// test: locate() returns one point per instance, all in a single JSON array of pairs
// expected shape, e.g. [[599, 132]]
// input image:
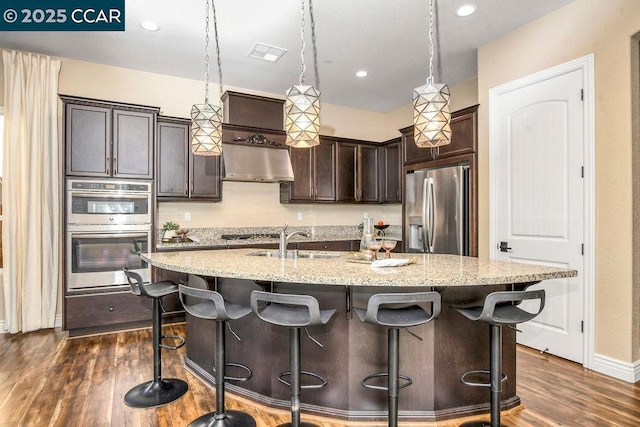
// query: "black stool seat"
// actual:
[[499, 308], [294, 312], [158, 391], [396, 311], [153, 290], [208, 304], [411, 312]]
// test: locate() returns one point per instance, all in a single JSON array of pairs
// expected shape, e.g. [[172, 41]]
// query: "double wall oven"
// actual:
[[108, 225]]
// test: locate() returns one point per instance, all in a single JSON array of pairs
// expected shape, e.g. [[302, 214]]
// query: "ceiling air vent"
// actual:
[[266, 52]]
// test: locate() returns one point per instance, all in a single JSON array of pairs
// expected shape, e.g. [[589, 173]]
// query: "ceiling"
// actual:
[[389, 39]]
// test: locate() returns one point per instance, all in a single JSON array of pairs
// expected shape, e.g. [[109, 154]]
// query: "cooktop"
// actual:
[[250, 236]]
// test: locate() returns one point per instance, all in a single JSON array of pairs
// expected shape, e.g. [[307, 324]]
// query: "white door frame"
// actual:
[[586, 64]]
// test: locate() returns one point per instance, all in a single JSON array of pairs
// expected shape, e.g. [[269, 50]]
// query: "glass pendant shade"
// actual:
[[206, 130], [431, 115], [302, 116]]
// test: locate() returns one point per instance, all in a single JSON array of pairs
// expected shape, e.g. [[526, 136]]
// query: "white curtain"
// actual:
[[31, 191]]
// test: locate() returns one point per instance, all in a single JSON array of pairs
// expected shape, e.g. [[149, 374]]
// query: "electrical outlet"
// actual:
[[365, 215], [299, 216], [187, 216]]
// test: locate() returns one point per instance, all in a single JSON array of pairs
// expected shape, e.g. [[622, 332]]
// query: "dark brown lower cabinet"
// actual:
[[104, 312], [339, 245]]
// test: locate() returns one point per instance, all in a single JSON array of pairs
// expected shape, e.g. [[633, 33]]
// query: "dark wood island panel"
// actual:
[[352, 350], [449, 346]]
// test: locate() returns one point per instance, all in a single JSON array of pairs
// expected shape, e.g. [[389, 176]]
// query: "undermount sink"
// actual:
[[297, 254]]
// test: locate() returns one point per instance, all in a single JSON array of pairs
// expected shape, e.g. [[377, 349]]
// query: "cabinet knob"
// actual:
[[111, 309]]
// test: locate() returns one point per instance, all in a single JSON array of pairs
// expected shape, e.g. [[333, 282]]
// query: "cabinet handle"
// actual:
[[108, 164], [186, 188], [115, 166]]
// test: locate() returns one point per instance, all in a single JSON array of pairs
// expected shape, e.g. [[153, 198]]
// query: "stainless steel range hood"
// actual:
[[256, 163]]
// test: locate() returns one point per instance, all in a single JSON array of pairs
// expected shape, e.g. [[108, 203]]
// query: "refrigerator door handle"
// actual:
[[459, 219], [428, 213], [432, 213], [424, 234]]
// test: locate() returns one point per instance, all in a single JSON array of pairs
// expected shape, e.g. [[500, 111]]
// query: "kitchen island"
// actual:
[[446, 347]]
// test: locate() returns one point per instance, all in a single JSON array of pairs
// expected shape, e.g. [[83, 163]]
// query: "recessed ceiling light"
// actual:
[[266, 52], [362, 73], [149, 26], [466, 10]]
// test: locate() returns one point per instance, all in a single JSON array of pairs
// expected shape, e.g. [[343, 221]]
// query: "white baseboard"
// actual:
[[629, 372], [57, 323]]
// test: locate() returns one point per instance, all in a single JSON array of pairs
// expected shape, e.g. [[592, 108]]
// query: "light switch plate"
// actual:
[[299, 216], [187, 216]]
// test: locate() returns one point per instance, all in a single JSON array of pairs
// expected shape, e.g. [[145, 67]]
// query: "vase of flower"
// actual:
[[169, 228]]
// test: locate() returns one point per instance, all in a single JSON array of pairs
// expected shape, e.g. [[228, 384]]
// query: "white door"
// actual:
[[537, 198]]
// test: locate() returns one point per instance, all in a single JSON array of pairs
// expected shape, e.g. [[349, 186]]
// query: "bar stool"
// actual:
[[397, 311], [158, 391], [500, 308], [293, 312], [207, 304]]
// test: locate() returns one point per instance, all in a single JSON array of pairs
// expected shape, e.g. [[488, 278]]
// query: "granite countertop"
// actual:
[[211, 237], [427, 270]]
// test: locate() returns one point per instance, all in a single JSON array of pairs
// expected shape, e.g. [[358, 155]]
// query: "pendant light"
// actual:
[[431, 114], [206, 119], [302, 105]]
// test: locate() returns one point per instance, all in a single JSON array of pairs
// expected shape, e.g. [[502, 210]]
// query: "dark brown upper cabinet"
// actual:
[[346, 172], [255, 111], [391, 172], [314, 174], [463, 139], [106, 139], [180, 174], [367, 176], [338, 170], [357, 172]]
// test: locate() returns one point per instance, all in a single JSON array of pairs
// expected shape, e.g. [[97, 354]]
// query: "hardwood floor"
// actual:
[[47, 379]]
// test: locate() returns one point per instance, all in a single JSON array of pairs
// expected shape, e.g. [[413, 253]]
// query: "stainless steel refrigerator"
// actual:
[[436, 214]]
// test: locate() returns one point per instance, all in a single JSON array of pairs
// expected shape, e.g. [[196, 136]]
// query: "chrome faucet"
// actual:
[[284, 239]]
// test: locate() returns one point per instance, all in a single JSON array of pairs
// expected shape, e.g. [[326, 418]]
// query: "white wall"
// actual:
[[605, 29]]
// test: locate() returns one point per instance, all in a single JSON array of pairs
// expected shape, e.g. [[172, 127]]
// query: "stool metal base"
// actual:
[[229, 419], [156, 393], [476, 424], [302, 424]]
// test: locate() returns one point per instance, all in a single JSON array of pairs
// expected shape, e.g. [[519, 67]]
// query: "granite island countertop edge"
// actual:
[[429, 270]]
